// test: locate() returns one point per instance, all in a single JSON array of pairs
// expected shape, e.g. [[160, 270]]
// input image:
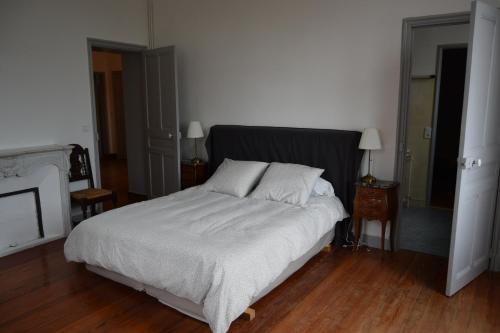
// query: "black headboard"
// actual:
[[335, 151]]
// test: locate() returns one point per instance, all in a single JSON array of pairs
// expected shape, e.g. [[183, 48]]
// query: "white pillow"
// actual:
[[236, 178], [290, 183], [323, 188]]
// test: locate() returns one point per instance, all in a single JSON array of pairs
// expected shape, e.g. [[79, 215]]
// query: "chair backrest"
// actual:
[[80, 165]]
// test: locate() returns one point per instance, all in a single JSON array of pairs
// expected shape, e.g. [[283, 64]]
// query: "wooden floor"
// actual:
[[340, 291], [114, 176]]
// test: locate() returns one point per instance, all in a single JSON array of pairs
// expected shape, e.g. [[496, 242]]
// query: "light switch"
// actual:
[[427, 132]]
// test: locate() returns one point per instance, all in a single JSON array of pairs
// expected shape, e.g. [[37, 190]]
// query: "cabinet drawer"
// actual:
[[373, 202], [187, 179], [192, 175], [187, 169], [372, 213], [369, 193]]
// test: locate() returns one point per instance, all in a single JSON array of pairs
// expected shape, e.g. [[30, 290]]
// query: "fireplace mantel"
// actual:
[[21, 162]]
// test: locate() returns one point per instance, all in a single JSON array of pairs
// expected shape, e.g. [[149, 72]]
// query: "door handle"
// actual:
[[470, 163], [477, 163], [170, 135]]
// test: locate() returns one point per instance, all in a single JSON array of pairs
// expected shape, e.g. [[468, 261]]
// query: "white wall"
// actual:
[[44, 71], [326, 64], [302, 63], [425, 43]]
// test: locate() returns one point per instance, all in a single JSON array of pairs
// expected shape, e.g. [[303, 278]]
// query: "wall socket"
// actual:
[[427, 132]]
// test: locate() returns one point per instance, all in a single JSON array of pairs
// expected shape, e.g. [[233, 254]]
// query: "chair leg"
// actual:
[[92, 210], [84, 210], [114, 198]]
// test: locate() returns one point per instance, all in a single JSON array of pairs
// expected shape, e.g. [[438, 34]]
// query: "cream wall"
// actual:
[[426, 41], [303, 63], [306, 63], [44, 70]]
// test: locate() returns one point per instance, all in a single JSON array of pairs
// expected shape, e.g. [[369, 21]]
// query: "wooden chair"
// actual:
[[81, 170]]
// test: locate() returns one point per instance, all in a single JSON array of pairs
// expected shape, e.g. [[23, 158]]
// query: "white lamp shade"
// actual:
[[194, 130], [370, 139]]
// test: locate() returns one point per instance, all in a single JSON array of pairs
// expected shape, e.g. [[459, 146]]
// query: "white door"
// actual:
[[162, 122], [477, 176]]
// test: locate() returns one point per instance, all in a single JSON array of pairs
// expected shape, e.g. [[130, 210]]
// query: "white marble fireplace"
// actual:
[[34, 196]]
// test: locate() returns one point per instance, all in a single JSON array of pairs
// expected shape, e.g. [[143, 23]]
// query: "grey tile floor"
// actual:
[[426, 230]]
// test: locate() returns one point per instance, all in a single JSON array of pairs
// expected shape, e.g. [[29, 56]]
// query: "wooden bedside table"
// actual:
[[192, 175], [379, 202]]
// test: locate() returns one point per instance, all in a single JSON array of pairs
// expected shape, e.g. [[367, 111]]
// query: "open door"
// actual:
[[479, 153], [133, 107], [162, 122]]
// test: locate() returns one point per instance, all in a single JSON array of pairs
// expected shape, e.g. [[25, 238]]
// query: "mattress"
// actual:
[[212, 249]]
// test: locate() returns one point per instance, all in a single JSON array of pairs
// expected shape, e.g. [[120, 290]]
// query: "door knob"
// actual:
[[170, 135]]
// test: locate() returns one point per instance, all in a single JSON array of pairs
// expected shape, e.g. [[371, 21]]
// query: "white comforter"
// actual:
[[213, 249]]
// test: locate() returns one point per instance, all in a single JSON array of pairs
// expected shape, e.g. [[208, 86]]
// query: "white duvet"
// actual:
[[213, 249]]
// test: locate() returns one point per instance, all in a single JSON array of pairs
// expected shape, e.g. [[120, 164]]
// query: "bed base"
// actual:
[[195, 310]]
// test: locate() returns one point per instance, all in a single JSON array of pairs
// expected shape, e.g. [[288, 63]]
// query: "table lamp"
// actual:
[[370, 140], [195, 132]]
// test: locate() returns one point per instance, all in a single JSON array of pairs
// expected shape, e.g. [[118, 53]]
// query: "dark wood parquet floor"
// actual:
[[341, 291]]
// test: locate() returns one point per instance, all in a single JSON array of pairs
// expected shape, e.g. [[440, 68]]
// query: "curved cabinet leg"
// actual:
[[382, 237]]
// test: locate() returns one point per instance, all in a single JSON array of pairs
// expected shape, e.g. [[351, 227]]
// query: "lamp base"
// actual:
[[196, 161], [369, 179]]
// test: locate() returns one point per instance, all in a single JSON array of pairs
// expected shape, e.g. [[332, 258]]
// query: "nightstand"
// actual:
[[378, 201], [192, 175]]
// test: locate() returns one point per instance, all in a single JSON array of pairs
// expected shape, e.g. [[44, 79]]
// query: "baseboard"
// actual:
[[374, 241]]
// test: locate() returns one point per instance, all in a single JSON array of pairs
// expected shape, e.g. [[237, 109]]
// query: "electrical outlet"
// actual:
[[427, 132]]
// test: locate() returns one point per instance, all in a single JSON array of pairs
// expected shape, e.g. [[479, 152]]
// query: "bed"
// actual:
[[212, 255]]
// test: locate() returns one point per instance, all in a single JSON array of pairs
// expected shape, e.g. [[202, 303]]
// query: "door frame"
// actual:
[[435, 112], [409, 25], [109, 45]]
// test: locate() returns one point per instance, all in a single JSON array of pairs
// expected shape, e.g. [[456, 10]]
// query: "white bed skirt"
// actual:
[[196, 310]]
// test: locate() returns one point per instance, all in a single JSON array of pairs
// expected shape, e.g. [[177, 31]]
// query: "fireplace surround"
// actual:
[[22, 170]]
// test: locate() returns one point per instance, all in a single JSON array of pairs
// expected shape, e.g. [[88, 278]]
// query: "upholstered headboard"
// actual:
[[336, 151]]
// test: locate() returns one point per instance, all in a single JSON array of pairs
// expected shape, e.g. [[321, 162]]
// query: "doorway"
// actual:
[[108, 92], [116, 76], [432, 137], [447, 119], [474, 230]]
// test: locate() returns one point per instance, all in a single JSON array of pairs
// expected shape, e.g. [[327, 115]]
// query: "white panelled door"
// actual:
[[479, 154], [162, 122]]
